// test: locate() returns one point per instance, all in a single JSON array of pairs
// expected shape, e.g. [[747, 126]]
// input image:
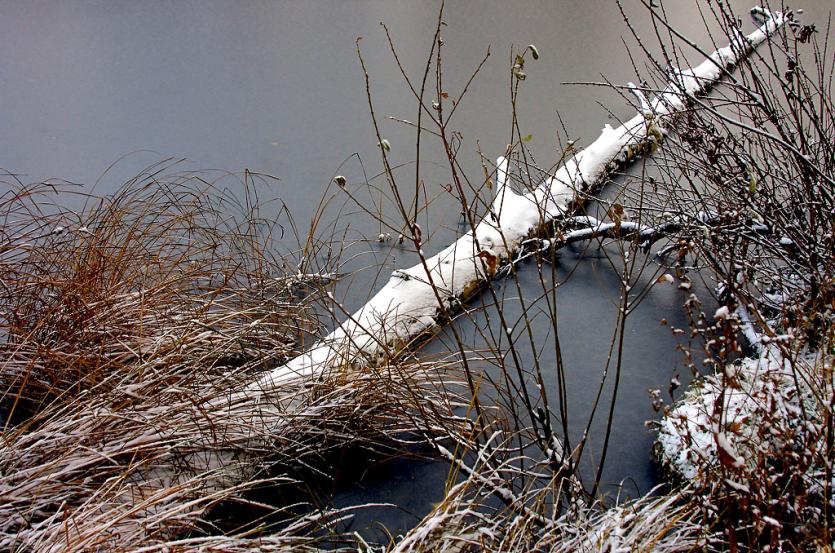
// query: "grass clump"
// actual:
[[129, 330]]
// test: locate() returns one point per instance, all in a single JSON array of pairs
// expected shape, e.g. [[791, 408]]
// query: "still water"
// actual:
[[277, 88]]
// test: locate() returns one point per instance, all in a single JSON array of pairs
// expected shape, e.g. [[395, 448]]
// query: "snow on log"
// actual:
[[407, 306]]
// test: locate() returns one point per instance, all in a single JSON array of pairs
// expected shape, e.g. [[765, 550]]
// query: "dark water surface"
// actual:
[[276, 87]]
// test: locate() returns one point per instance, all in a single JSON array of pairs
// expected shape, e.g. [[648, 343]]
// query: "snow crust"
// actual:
[[690, 438]]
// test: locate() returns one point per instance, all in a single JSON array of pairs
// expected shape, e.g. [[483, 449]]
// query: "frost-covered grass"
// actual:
[[128, 331]]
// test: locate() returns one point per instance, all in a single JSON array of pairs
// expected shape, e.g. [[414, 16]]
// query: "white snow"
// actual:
[[754, 393]]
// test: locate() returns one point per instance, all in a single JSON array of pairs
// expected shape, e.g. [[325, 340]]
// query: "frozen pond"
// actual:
[[276, 88]]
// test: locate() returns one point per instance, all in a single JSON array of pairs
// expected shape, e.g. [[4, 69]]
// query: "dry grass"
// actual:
[[154, 278], [128, 329], [501, 506]]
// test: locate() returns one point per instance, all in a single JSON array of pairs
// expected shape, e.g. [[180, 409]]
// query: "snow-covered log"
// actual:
[[407, 307]]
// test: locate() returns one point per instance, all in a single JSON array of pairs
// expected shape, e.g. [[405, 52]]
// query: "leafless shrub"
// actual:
[[754, 176]]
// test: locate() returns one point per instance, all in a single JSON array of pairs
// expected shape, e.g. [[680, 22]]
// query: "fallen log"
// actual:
[[407, 307]]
